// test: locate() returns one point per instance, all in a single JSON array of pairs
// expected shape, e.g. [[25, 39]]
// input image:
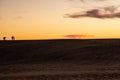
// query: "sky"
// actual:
[[59, 19]]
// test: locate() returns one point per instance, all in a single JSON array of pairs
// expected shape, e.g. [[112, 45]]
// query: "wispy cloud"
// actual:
[[96, 9], [78, 36], [1, 18], [21, 11], [19, 17]]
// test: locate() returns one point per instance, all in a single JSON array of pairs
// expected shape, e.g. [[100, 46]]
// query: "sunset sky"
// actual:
[[57, 19]]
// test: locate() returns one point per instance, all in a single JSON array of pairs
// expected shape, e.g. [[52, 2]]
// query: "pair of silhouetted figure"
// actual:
[[12, 37]]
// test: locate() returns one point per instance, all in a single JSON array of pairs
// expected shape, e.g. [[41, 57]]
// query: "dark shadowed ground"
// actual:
[[95, 59]]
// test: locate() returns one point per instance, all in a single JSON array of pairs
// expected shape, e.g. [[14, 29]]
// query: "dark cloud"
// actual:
[[96, 13], [78, 36], [96, 9]]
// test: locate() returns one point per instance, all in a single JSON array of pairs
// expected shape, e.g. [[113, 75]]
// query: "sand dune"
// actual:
[[87, 51], [67, 59]]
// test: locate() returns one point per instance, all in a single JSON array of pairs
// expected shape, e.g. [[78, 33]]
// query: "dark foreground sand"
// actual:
[[59, 72], [60, 60]]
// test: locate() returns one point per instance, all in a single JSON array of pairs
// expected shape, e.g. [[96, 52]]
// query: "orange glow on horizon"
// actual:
[[43, 19]]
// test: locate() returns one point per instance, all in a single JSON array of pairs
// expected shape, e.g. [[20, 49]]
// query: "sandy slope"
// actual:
[[82, 51], [60, 60]]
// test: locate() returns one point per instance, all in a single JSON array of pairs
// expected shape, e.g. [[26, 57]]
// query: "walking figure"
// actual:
[[4, 38], [13, 38]]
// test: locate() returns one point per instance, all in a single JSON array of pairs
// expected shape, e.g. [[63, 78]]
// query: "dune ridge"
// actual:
[[104, 51]]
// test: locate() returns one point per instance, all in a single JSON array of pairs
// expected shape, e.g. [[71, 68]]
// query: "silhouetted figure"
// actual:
[[13, 38], [4, 38]]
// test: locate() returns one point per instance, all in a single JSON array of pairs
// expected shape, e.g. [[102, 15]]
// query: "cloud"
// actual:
[[85, 1], [78, 36], [1, 18], [21, 11], [19, 17], [95, 13], [96, 9]]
